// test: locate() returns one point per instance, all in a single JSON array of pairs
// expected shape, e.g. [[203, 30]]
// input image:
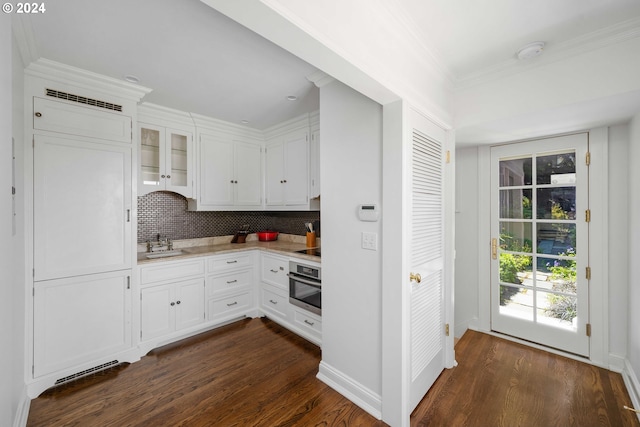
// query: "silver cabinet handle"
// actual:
[[232, 262], [273, 302], [233, 303], [273, 271], [128, 215], [309, 323], [231, 281]]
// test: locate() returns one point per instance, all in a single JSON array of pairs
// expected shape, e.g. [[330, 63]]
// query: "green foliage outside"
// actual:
[[564, 277]]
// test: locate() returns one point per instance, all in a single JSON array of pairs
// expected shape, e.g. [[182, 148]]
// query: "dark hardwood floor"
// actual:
[[256, 373], [502, 383], [249, 373]]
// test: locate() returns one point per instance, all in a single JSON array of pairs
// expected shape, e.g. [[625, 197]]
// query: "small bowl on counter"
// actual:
[[267, 236]]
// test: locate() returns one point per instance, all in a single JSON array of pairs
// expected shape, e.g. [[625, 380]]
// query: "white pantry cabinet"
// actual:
[[71, 119], [81, 207], [80, 319], [166, 160], [230, 173], [287, 170]]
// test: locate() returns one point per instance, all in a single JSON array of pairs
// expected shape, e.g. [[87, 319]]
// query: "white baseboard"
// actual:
[[351, 389], [632, 384], [22, 412], [616, 363], [461, 327]]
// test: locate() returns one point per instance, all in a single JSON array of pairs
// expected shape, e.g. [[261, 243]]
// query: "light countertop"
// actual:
[[287, 244]]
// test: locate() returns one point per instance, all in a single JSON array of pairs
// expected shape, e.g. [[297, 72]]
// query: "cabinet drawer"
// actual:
[[171, 271], [274, 270], [308, 321], [225, 262], [225, 282], [275, 301], [224, 307]]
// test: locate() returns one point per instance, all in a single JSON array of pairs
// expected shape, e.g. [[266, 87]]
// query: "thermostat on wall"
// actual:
[[368, 212]]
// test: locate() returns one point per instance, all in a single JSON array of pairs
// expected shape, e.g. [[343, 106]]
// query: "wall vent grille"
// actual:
[[83, 100], [87, 372]]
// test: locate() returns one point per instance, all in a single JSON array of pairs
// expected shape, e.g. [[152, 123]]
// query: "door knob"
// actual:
[[415, 277]]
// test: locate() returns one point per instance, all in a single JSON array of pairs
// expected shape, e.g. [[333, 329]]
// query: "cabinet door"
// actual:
[[152, 158], [81, 207], [296, 169], [62, 117], [189, 300], [216, 171], [314, 165], [275, 175], [248, 174], [157, 313], [178, 163], [79, 320]]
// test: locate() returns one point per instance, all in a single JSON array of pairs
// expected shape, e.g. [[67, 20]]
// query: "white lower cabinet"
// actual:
[[230, 286], [171, 307], [274, 299], [80, 320]]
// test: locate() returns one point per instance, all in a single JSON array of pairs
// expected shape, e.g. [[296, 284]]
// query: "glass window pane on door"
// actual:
[[556, 169], [515, 172]]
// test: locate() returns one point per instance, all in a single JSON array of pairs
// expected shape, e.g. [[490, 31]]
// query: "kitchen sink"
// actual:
[[163, 254]]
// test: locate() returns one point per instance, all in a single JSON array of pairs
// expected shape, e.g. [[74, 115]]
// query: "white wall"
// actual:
[[633, 230], [466, 267], [618, 193], [7, 361], [350, 164]]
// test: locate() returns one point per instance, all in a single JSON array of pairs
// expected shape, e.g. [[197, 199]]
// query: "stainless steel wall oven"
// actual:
[[305, 288]]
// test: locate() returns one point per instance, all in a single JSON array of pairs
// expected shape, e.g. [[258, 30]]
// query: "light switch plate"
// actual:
[[369, 241]]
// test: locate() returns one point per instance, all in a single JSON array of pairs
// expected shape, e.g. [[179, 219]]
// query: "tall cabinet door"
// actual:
[[248, 173], [81, 207], [275, 175], [297, 168], [216, 171]]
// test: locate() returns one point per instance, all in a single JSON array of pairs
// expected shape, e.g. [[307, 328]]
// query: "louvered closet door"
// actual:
[[427, 261]]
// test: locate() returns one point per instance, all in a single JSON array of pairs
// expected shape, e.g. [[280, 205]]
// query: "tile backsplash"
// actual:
[[166, 213]]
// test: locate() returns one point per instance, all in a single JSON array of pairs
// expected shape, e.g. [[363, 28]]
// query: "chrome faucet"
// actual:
[[161, 244]]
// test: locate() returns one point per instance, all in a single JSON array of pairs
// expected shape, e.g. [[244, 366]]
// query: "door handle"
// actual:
[[415, 277], [494, 248]]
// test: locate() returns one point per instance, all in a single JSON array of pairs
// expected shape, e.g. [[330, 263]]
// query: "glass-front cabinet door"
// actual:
[[165, 160]]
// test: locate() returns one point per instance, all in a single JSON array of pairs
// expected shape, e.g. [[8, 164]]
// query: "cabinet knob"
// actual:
[[172, 304], [177, 302], [38, 114], [168, 176], [162, 176], [235, 182], [231, 181], [285, 181]]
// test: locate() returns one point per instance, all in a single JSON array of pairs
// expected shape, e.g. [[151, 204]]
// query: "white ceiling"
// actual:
[[470, 36], [194, 58], [197, 60]]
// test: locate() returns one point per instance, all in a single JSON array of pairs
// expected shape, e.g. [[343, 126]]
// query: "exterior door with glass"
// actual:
[[540, 242]]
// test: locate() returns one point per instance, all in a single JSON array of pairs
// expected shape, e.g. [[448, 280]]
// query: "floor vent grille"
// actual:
[[86, 372], [83, 100]]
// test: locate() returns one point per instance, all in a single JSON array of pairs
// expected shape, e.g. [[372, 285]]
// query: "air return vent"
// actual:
[[83, 100], [86, 372]]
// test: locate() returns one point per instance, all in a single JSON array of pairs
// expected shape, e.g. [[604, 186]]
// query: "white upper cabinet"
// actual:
[[287, 170], [230, 174], [165, 160], [166, 150]]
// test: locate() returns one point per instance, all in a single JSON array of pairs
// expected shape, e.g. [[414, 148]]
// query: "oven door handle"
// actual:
[[305, 281]]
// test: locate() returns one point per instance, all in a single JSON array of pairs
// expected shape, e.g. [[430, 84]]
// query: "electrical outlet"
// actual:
[[369, 241]]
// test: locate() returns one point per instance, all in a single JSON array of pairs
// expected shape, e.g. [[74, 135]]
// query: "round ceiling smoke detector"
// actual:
[[530, 51]]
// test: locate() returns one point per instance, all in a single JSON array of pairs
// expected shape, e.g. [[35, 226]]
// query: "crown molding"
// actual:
[[209, 124], [320, 78], [56, 71], [585, 43]]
